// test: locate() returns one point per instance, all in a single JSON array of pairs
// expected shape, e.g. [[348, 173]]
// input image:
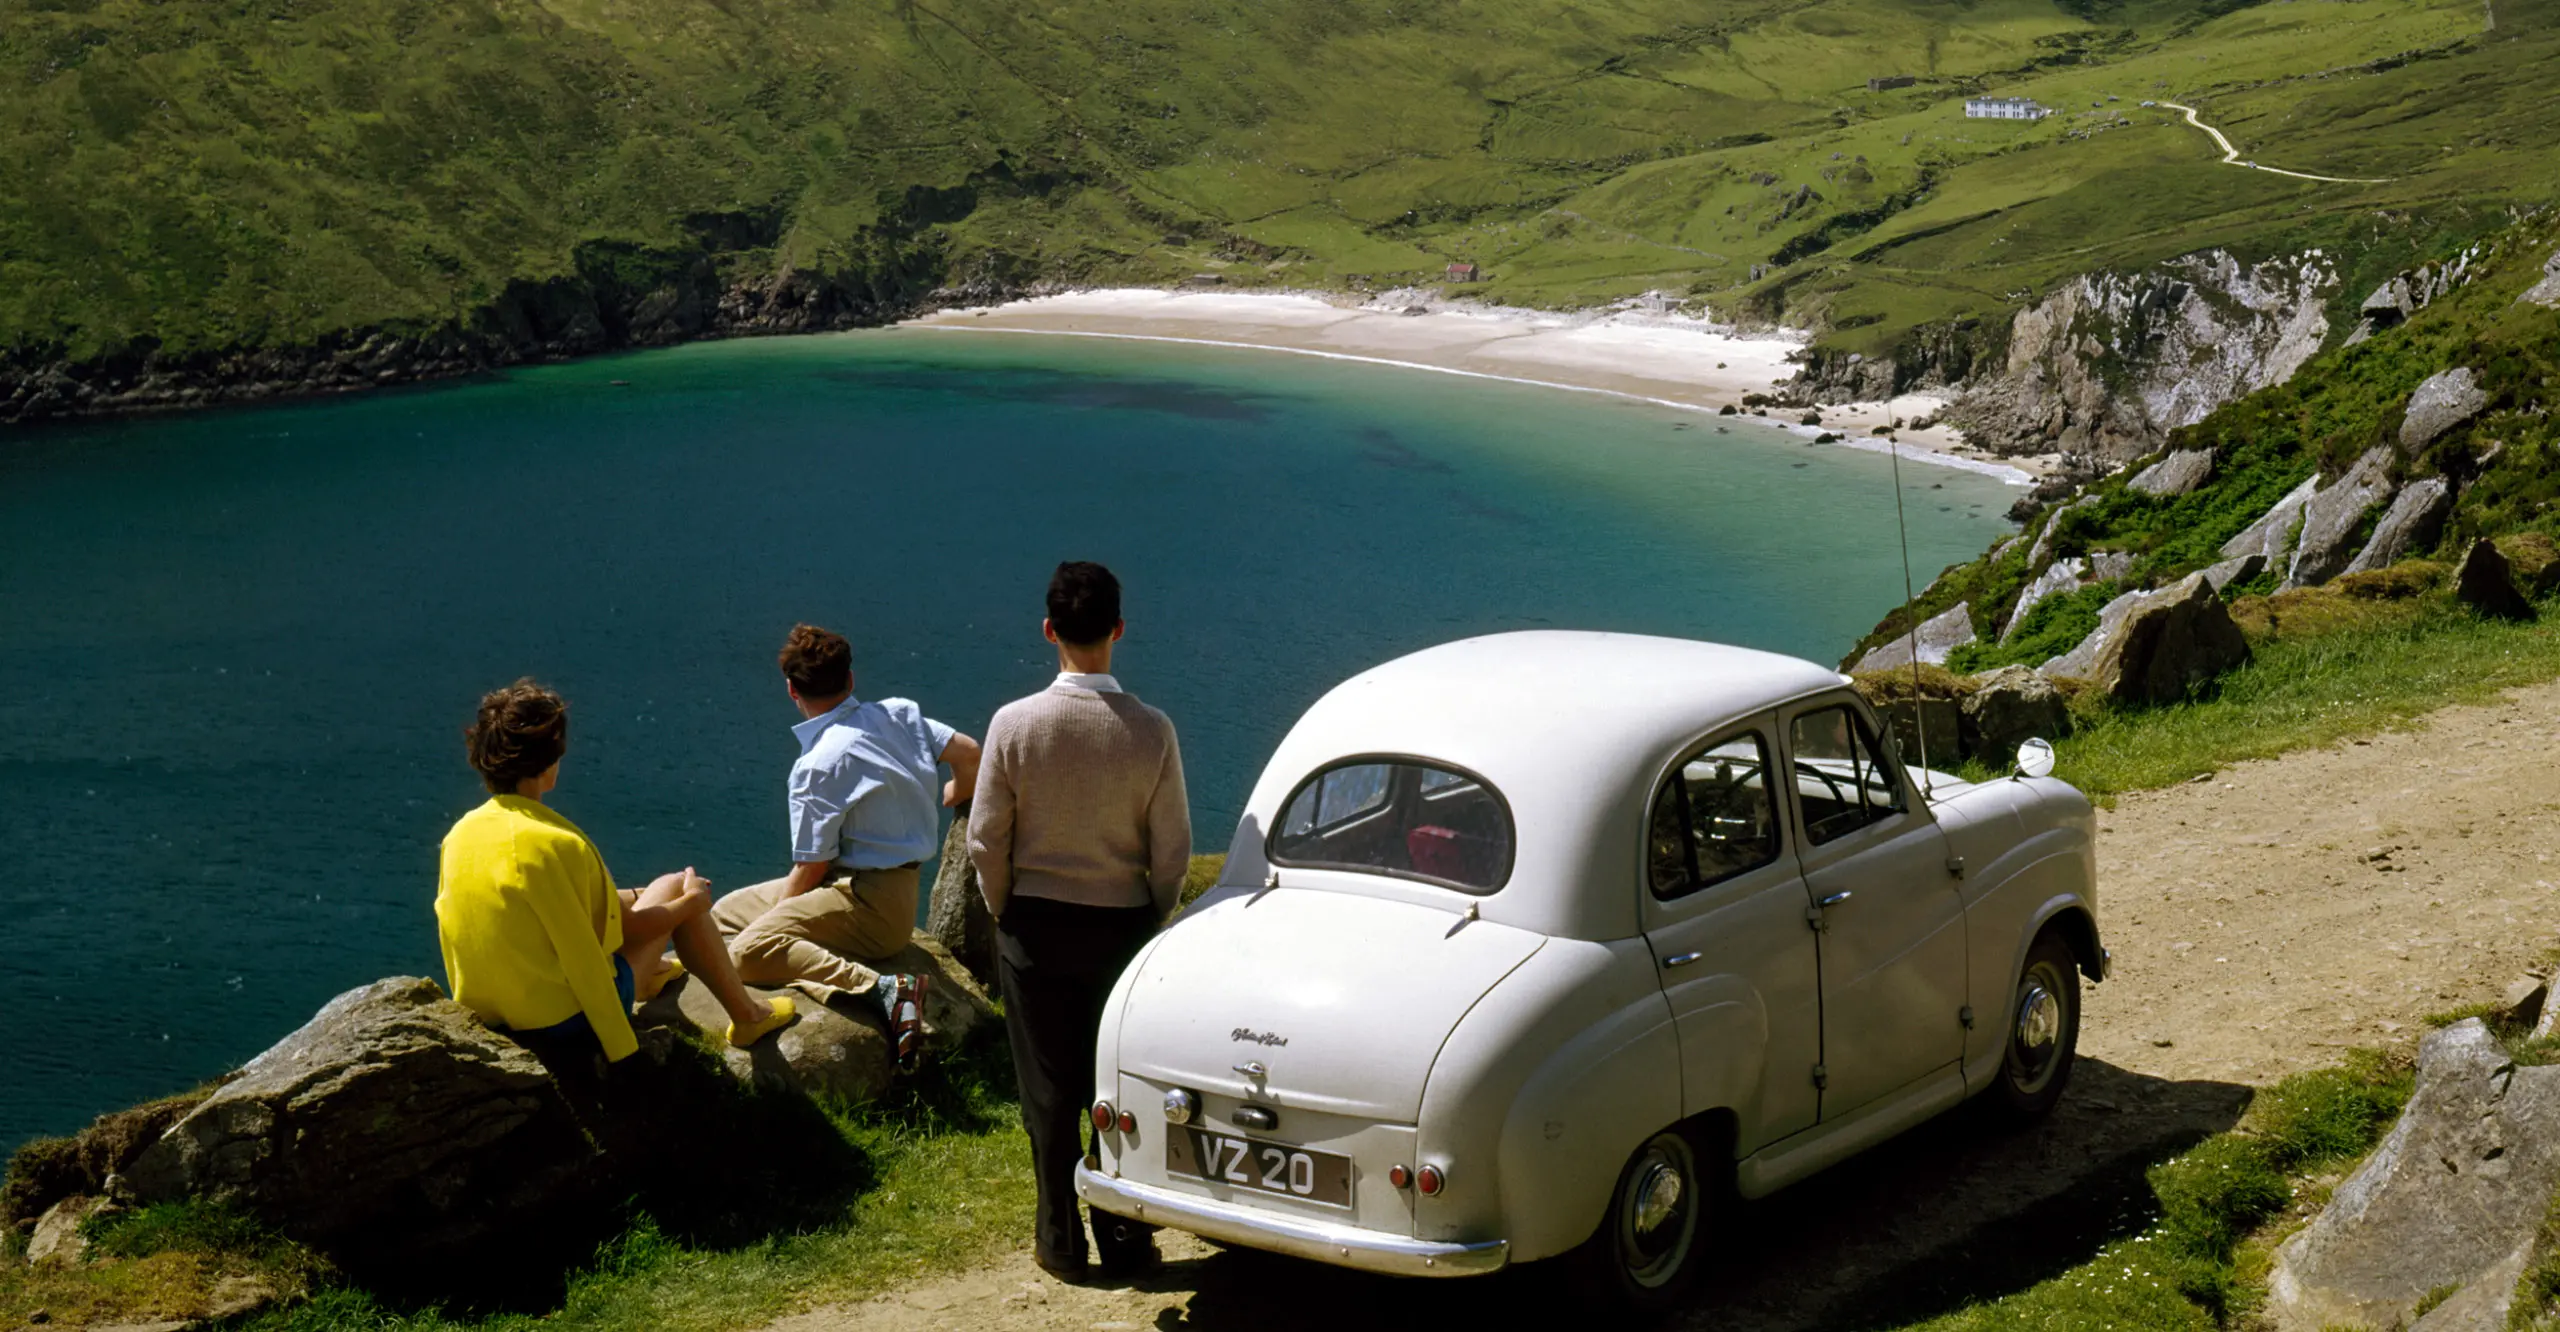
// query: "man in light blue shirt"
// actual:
[[866, 798]]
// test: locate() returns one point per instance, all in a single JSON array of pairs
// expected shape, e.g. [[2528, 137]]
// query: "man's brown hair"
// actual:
[[817, 663], [521, 731]]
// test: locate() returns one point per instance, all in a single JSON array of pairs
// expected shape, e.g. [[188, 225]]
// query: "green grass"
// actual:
[[2195, 1266], [194, 174], [2313, 692]]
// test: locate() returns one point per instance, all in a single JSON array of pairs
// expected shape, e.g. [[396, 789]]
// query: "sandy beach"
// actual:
[[1657, 357]]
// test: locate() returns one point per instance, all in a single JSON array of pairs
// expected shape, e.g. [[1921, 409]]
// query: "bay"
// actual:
[[237, 649]]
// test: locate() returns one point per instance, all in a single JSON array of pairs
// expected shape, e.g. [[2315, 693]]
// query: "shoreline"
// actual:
[[1662, 359]]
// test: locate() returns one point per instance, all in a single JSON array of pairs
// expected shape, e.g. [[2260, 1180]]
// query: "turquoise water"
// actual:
[[237, 649]]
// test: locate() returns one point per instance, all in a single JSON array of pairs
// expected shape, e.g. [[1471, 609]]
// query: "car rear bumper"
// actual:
[[1299, 1237]]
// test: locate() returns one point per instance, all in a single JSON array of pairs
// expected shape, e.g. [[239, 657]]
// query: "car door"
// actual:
[[1724, 911], [1889, 918]]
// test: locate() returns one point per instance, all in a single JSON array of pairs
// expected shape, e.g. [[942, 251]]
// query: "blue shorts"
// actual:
[[626, 987]]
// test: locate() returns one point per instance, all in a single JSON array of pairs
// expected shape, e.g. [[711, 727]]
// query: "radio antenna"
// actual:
[[1919, 709]]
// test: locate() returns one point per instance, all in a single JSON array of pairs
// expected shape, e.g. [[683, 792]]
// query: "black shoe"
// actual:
[[1125, 1249], [1074, 1273]]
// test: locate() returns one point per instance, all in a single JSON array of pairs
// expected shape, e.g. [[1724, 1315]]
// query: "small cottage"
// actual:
[[1462, 272]]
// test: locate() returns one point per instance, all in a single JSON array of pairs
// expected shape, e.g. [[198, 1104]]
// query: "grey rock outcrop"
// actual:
[[2412, 523], [2042, 550], [2237, 570], [1938, 636], [2109, 566], [2111, 362], [2452, 1197], [2446, 400], [392, 1116], [2334, 514], [2272, 536], [2486, 583], [2178, 474], [57, 1237], [2009, 706], [2060, 576], [836, 1049], [2156, 647], [1943, 742], [956, 914], [2545, 293]]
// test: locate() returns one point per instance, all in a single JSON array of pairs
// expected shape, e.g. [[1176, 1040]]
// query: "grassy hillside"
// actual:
[[248, 173]]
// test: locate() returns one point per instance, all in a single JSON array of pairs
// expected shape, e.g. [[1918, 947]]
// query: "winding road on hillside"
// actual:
[[2231, 155], [2264, 921]]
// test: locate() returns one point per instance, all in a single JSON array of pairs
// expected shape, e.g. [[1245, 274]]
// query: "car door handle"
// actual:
[[1680, 960], [1835, 899]]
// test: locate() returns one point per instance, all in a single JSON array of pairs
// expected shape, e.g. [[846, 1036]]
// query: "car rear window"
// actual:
[[1405, 817]]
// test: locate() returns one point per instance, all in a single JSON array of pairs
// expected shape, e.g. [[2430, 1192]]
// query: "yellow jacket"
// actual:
[[530, 922]]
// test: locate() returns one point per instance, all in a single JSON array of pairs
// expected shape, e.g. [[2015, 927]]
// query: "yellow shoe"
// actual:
[[673, 972], [783, 1015]]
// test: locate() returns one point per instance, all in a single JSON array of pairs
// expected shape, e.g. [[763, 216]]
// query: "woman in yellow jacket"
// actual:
[[536, 938]]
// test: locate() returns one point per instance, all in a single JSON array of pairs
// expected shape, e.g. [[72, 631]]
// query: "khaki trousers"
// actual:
[[824, 935]]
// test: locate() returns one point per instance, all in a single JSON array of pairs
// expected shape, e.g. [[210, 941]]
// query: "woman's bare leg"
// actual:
[[669, 909]]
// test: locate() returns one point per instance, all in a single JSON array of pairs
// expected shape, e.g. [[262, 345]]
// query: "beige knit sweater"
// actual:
[[1080, 799]]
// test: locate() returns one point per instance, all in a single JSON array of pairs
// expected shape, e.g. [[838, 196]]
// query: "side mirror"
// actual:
[[2035, 758]]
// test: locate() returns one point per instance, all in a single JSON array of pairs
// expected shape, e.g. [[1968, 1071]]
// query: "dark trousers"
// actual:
[[1056, 963]]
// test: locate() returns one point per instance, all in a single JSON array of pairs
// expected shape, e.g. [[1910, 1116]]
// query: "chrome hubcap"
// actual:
[[2039, 1022], [1656, 1198]]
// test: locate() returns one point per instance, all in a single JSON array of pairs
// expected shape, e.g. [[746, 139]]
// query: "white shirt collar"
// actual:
[[1095, 682], [808, 731]]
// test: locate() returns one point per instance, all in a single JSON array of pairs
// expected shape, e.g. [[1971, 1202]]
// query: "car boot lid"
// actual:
[[1321, 1000]]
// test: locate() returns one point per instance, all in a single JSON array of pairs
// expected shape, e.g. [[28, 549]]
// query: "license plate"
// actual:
[[1265, 1167]]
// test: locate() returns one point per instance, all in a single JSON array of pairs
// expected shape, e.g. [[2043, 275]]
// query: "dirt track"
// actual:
[[2262, 921]]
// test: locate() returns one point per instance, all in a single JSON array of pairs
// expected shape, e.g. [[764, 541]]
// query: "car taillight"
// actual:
[[1128, 1122], [1431, 1181], [1399, 1177], [1103, 1116]]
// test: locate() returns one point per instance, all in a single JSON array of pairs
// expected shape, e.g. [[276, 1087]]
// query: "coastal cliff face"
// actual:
[[2110, 363], [618, 297]]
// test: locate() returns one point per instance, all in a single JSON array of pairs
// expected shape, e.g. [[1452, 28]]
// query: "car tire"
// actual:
[[2040, 1031], [1646, 1254]]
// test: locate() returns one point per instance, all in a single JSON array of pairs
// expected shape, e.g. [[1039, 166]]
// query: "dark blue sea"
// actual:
[[237, 649]]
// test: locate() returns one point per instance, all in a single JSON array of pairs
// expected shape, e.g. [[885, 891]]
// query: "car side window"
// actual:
[[1841, 778], [1714, 817]]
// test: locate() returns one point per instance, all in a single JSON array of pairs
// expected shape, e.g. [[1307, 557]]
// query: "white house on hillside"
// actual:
[[2004, 108]]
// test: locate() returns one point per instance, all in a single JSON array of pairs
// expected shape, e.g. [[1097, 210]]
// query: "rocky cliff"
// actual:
[[2106, 366]]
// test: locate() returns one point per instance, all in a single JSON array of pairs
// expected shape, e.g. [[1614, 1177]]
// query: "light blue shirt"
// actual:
[[866, 791]]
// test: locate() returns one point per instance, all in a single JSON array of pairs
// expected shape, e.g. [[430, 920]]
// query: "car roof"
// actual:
[[1540, 698], [1571, 728]]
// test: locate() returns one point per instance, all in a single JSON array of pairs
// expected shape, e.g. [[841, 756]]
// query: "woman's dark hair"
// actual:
[[817, 663], [1084, 603], [521, 731]]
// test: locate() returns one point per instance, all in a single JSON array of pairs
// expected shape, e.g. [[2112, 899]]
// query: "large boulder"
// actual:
[[2239, 569], [2486, 584], [2156, 647], [2008, 707], [2451, 1198], [956, 914], [2180, 473], [2334, 515], [2546, 292], [2271, 537], [1938, 636], [2412, 523], [2444, 401], [392, 1122], [837, 1049], [2063, 576]]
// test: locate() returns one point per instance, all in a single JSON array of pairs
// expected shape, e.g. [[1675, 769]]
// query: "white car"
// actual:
[[1519, 952]]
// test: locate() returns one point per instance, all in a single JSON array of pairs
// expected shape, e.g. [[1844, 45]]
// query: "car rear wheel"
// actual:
[[1647, 1252], [2041, 1030]]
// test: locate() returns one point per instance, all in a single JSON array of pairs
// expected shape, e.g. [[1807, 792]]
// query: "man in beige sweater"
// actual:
[[1080, 836]]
